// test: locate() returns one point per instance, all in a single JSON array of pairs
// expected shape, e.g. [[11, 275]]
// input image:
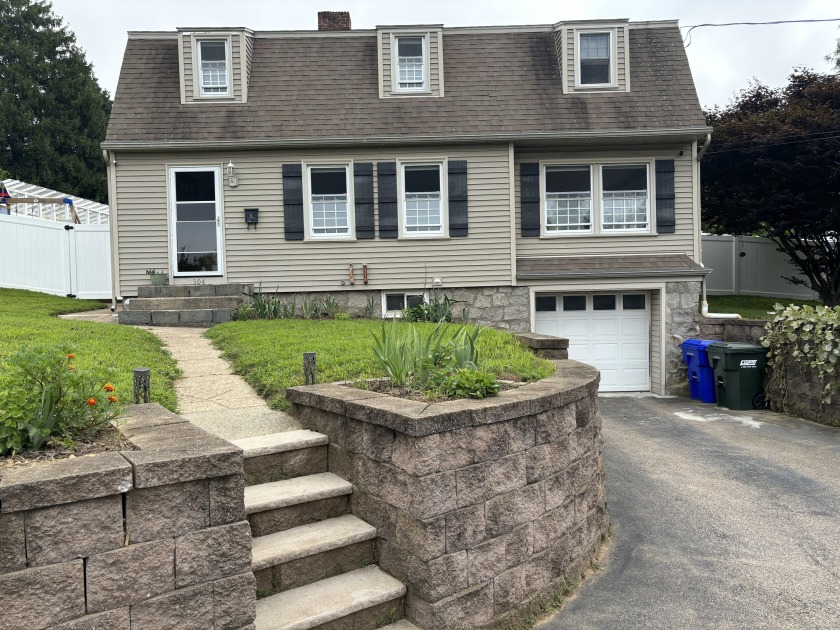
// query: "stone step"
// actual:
[[402, 624], [368, 597], [283, 455], [196, 290], [308, 553], [189, 317], [281, 505], [181, 303]]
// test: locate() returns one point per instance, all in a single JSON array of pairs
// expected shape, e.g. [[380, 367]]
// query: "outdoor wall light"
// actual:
[[230, 169], [252, 217]]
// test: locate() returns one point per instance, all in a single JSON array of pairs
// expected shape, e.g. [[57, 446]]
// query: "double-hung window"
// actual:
[[213, 68], [595, 64], [411, 63], [625, 193], [422, 199], [329, 208], [568, 199]]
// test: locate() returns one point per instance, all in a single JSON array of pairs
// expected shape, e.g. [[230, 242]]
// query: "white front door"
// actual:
[[610, 331], [195, 208]]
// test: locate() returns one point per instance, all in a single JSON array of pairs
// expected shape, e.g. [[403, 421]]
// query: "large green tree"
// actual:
[[53, 114], [773, 169]]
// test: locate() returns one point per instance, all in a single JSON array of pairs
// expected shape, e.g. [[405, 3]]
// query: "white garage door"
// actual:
[[610, 331]]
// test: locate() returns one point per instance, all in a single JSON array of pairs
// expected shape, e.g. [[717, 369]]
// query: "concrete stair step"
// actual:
[[195, 290], [281, 505], [181, 303], [187, 317], [368, 596], [285, 455], [308, 553], [402, 624]]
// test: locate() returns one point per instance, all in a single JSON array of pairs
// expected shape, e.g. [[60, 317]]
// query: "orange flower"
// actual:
[[108, 387], [113, 399], [91, 402], [71, 367], [71, 356]]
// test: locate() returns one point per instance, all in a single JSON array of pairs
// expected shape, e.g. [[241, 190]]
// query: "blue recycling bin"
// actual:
[[701, 375]]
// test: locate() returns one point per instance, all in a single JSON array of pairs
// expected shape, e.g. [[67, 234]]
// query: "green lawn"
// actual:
[[269, 354], [28, 318], [748, 306]]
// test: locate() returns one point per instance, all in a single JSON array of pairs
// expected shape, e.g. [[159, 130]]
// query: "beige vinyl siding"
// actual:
[[189, 69], [249, 54], [236, 62], [682, 241], [263, 255], [435, 64], [620, 58], [656, 366]]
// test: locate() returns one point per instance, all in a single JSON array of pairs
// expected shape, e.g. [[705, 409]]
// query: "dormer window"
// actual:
[[411, 62], [213, 68], [595, 58]]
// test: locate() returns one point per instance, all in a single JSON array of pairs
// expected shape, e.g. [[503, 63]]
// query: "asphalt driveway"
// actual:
[[722, 519]]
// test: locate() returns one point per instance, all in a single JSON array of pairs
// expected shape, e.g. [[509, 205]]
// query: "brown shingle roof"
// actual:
[[607, 266], [327, 87]]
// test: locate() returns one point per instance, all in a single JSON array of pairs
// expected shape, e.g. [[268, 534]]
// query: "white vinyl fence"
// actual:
[[54, 257], [749, 265]]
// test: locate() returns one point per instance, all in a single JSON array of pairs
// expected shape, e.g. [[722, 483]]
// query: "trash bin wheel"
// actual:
[[759, 401]]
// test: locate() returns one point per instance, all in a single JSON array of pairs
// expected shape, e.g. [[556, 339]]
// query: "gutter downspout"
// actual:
[[704, 305]]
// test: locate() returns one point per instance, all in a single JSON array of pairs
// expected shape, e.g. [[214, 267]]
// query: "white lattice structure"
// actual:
[[50, 204]]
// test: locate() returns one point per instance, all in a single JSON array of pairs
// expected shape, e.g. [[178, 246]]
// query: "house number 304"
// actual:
[[198, 280]]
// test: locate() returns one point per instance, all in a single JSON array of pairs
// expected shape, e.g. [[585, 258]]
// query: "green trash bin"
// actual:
[[738, 374]]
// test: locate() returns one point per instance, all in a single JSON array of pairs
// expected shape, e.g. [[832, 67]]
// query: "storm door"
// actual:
[[195, 209]]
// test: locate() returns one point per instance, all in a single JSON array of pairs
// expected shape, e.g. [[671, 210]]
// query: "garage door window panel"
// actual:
[[546, 303], [625, 197], [603, 302], [633, 302], [574, 302]]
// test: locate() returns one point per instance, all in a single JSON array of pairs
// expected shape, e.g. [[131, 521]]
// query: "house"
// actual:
[[547, 176]]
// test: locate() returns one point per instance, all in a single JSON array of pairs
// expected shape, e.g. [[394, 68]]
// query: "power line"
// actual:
[[803, 136], [687, 38], [774, 144]]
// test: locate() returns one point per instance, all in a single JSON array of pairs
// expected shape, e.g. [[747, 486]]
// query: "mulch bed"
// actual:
[[384, 386]]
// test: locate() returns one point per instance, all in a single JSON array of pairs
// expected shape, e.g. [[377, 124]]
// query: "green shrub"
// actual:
[[468, 383], [406, 356], [371, 310], [44, 396], [329, 307], [437, 309]]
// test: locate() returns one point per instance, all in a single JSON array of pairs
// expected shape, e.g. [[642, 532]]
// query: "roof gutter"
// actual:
[[681, 133], [705, 146]]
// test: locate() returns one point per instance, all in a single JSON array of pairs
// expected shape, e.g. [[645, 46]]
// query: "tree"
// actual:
[[53, 114], [774, 170]]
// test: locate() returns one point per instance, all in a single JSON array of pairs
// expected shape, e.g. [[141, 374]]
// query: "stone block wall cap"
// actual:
[[148, 415], [542, 342], [571, 381], [64, 481]]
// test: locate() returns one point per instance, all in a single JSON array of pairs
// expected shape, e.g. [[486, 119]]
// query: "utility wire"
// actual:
[[687, 38], [774, 144], [803, 136]]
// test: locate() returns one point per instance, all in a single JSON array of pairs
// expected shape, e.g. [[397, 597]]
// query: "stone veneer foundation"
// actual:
[[146, 539], [482, 507]]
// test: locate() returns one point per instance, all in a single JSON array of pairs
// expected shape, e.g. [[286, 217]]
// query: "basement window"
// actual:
[[393, 302]]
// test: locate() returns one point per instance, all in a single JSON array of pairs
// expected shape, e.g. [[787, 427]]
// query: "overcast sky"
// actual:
[[722, 59]]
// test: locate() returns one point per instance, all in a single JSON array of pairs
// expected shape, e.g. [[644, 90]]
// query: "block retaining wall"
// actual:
[[146, 539], [482, 507]]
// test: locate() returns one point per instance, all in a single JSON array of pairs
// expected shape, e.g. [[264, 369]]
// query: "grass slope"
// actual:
[[269, 354], [749, 306], [28, 318]]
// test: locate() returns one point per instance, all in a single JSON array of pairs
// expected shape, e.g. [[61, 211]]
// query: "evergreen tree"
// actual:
[[53, 114]]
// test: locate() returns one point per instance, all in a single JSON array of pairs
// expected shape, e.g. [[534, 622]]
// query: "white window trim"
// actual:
[[543, 199], [198, 87], [395, 85], [386, 314], [441, 163], [173, 231], [307, 201], [597, 197], [613, 84]]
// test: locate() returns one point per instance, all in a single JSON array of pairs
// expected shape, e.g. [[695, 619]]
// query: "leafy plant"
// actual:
[[44, 396], [406, 356], [810, 337], [330, 306], [311, 307], [265, 306], [437, 309], [370, 310], [342, 317], [470, 383], [245, 312], [464, 350]]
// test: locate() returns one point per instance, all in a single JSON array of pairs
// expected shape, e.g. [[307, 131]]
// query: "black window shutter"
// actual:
[[387, 175], [363, 192], [665, 195], [292, 202], [458, 215], [529, 192]]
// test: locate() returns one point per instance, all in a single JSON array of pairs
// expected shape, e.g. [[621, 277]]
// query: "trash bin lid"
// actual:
[[735, 346], [700, 344]]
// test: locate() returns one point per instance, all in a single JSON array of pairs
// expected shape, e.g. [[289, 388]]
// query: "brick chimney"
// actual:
[[333, 20]]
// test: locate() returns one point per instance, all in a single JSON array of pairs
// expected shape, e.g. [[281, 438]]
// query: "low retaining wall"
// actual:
[[802, 397], [735, 330], [482, 507], [146, 539]]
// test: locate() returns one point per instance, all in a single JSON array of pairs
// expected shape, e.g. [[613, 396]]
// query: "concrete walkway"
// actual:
[[211, 395]]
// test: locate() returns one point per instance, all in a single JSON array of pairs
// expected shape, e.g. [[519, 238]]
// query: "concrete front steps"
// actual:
[[314, 562], [184, 305]]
